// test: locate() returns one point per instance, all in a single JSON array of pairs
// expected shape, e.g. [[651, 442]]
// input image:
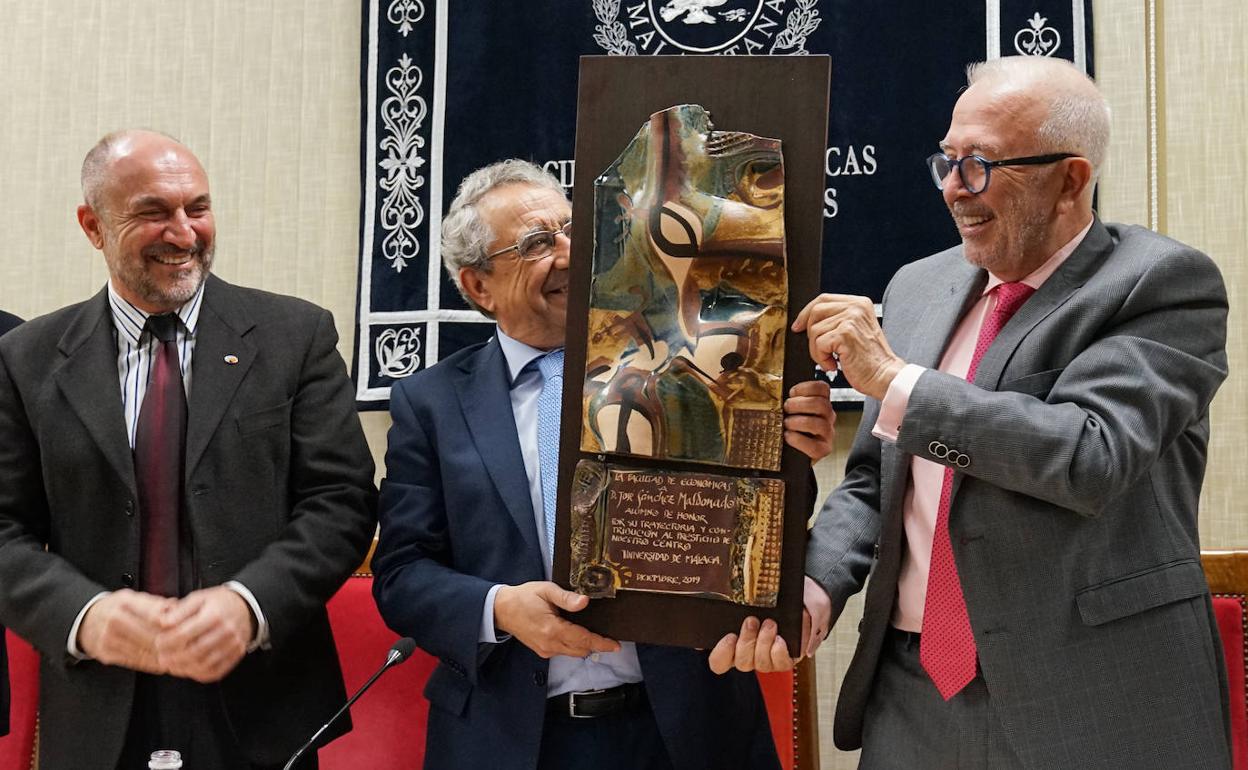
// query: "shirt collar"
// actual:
[[1036, 278], [517, 354], [129, 320]]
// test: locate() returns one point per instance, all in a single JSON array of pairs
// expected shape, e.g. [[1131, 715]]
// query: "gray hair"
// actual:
[[1078, 118], [95, 165], [465, 235]]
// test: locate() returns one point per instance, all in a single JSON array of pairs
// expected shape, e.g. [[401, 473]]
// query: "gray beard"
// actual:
[[139, 281]]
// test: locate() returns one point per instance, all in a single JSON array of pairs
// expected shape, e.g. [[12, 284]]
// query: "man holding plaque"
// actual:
[[464, 558], [1024, 489]]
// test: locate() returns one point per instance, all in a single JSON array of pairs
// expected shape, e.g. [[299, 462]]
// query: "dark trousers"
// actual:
[[627, 740], [179, 714], [908, 725]]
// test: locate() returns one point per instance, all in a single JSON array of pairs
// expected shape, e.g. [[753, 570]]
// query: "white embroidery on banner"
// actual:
[[800, 23], [728, 27], [1036, 39], [397, 352], [609, 32], [405, 14], [402, 115]]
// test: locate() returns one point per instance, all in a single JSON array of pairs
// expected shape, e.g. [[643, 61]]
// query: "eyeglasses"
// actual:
[[976, 170], [536, 244]]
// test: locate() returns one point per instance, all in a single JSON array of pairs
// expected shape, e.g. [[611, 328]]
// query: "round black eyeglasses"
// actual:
[[975, 170]]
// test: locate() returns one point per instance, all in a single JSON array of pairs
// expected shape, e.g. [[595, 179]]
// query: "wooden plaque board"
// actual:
[[782, 97]]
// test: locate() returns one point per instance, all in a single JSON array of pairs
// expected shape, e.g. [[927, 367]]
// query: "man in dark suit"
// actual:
[[463, 563], [1036, 596], [7, 322], [176, 594]]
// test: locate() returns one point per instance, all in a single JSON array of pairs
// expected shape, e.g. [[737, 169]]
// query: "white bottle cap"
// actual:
[[165, 760]]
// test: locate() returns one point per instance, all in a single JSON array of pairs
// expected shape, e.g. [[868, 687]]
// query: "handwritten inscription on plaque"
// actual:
[[689, 533]]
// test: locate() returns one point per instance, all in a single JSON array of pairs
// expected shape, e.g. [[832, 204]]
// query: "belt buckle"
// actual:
[[572, 698]]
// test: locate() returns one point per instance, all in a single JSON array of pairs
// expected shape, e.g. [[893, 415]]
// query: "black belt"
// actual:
[[908, 639], [598, 703]]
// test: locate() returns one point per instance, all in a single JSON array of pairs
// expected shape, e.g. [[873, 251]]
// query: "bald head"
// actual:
[[133, 143], [147, 208], [1061, 103]]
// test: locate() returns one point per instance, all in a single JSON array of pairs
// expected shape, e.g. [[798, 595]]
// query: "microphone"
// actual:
[[401, 651]]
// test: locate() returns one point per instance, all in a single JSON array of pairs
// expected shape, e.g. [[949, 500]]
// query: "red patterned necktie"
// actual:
[[159, 449], [947, 645]]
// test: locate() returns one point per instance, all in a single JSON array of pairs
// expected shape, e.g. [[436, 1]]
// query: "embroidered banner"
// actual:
[[449, 87]]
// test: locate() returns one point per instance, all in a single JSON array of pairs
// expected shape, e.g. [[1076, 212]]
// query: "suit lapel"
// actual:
[[939, 310], [91, 384], [485, 400], [223, 325], [1054, 293]]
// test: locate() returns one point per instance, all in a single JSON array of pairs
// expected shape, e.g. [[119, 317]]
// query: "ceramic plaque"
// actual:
[[688, 297]]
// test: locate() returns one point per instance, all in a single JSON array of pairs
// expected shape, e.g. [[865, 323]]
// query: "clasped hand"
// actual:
[[201, 636]]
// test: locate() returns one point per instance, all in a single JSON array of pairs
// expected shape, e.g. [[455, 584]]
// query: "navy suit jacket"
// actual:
[[456, 518], [7, 321]]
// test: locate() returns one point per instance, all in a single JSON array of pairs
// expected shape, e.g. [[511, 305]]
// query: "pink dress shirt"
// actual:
[[923, 488]]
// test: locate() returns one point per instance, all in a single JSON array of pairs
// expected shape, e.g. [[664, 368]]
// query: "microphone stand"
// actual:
[[398, 653]]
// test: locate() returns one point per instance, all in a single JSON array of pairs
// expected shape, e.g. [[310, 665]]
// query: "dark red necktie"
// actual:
[[159, 449], [947, 645]]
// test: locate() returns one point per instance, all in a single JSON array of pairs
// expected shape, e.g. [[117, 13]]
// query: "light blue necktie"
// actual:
[[549, 404]]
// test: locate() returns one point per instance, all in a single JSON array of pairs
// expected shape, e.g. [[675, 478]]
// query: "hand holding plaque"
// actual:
[[759, 647], [530, 612]]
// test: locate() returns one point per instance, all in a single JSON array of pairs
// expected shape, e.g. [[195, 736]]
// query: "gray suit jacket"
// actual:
[[1074, 526], [280, 496]]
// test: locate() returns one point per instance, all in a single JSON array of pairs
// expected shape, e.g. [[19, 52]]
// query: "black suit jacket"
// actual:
[[7, 322], [279, 496], [456, 518]]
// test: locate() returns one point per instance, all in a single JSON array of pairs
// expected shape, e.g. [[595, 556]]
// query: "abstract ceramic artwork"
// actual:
[[688, 297]]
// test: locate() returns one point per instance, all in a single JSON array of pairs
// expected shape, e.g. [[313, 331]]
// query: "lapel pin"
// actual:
[[231, 359]]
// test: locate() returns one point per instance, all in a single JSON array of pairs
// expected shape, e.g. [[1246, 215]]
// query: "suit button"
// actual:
[[129, 507], [127, 580], [539, 678]]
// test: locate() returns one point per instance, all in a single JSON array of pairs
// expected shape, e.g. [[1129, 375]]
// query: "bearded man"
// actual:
[[186, 484]]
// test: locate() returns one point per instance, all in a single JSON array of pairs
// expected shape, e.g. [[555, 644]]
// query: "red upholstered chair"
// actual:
[[791, 707], [389, 719], [1227, 573], [17, 749]]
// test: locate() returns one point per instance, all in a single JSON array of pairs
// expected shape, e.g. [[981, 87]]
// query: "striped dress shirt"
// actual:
[[136, 351]]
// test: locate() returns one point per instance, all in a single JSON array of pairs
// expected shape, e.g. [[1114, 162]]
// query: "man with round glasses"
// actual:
[[1024, 491], [463, 564]]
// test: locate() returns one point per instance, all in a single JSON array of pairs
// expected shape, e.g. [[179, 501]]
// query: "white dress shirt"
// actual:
[[567, 674]]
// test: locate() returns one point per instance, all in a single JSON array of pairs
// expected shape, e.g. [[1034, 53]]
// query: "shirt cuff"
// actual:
[[488, 635], [896, 399], [262, 625], [71, 646]]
